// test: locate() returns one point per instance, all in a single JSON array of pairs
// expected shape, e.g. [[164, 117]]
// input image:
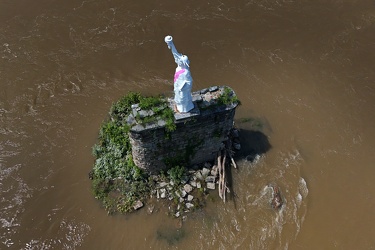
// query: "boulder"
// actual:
[[188, 188], [137, 205], [189, 205], [162, 184], [193, 183], [210, 178], [198, 175], [211, 185], [163, 193], [183, 193], [205, 171]]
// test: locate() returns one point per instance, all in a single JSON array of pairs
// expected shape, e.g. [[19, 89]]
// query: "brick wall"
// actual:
[[199, 134]]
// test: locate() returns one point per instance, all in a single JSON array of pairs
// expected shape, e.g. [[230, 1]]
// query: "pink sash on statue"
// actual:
[[177, 74]]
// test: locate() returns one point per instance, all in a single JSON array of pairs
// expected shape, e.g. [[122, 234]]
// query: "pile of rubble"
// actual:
[[189, 193]]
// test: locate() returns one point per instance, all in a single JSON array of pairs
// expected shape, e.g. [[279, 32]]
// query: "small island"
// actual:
[[147, 149]]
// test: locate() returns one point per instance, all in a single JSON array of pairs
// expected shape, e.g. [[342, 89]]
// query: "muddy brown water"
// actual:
[[304, 71]]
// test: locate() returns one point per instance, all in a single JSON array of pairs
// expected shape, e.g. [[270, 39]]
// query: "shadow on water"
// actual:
[[253, 144], [171, 235]]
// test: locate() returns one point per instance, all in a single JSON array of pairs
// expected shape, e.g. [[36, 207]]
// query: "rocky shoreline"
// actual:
[[190, 193]]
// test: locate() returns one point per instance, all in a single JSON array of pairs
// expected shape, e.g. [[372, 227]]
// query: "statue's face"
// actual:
[[183, 62]]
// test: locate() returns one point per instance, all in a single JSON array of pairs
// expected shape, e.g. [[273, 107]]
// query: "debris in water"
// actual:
[[276, 201]]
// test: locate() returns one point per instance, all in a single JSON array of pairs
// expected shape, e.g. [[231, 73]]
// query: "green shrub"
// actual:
[[122, 108], [147, 103], [228, 97], [175, 174], [117, 181]]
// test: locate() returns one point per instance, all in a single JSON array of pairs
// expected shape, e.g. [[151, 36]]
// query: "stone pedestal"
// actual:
[[199, 134]]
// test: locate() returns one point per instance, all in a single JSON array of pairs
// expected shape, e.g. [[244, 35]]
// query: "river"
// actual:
[[303, 70]]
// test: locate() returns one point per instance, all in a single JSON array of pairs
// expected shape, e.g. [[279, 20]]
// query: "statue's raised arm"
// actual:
[[169, 41], [183, 81]]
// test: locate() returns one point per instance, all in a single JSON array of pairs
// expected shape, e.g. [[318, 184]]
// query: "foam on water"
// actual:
[[69, 236], [254, 223]]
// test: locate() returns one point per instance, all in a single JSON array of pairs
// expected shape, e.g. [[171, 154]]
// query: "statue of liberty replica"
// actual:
[[183, 82]]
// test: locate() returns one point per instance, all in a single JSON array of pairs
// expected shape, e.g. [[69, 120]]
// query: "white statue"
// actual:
[[183, 82]]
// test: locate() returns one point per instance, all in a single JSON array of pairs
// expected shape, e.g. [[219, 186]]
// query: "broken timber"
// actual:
[[221, 163]]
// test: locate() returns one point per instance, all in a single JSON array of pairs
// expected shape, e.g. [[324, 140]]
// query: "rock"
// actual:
[[211, 185], [135, 113], [210, 178], [161, 123], [177, 214], [198, 175], [131, 120], [138, 204], [135, 106], [197, 98], [199, 185], [234, 133], [91, 175], [205, 171], [163, 193], [183, 193], [162, 184], [142, 113], [184, 179], [204, 91], [213, 88], [189, 205], [188, 188], [193, 183], [150, 209], [190, 197]]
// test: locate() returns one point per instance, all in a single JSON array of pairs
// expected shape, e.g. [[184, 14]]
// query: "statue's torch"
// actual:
[[178, 58]]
